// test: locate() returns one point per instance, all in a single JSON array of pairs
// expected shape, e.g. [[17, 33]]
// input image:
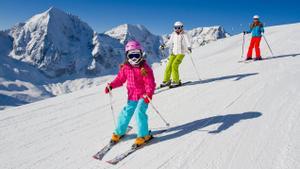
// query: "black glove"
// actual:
[[244, 32], [162, 47], [190, 49], [108, 88]]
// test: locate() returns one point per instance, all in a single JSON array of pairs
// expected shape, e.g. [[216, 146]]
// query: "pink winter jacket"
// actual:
[[137, 84]]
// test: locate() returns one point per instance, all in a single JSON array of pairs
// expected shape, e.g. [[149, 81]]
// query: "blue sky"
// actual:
[[158, 15]]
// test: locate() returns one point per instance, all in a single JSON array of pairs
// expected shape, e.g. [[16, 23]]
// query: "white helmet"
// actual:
[[178, 23], [255, 17]]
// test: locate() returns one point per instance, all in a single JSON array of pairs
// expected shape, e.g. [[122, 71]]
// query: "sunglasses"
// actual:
[[134, 55], [177, 27]]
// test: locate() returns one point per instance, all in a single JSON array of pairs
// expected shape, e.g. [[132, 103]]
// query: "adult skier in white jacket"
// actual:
[[180, 44]]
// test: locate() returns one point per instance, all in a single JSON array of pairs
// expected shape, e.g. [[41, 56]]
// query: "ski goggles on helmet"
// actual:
[[178, 27], [134, 54], [134, 57]]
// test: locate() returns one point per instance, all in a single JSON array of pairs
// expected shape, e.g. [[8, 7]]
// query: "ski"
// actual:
[[161, 87], [182, 84], [168, 87], [100, 154], [122, 156], [249, 61], [173, 87], [245, 61]]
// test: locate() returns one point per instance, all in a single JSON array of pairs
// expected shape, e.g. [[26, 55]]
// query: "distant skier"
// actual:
[[140, 87], [180, 44], [256, 28]]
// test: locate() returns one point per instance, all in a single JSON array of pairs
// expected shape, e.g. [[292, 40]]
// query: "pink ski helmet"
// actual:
[[133, 45]]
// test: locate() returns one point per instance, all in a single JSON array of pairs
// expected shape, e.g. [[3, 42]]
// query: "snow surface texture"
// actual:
[[242, 115], [55, 53]]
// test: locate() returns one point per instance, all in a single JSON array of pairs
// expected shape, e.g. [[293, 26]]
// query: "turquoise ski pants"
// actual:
[[139, 108]]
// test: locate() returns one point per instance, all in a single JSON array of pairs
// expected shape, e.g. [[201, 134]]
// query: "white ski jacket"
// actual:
[[179, 43]]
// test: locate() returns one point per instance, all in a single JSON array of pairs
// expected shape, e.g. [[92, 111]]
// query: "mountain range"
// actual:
[[55, 52]]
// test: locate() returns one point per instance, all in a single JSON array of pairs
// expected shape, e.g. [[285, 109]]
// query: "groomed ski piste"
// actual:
[[240, 116]]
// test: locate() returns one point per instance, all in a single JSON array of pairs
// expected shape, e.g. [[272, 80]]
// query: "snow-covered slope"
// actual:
[[240, 116], [138, 32]]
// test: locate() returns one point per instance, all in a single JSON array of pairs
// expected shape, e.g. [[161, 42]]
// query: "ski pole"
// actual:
[[155, 109], [163, 53], [111, 106], [243, 45], [268, 45], [195, 68]]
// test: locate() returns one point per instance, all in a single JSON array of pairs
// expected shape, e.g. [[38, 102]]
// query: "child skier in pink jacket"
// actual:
[[140, 86]]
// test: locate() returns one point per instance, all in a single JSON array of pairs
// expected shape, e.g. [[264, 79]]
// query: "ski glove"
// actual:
[[147, 98], [162, 47], [190, 49], [108, 88]]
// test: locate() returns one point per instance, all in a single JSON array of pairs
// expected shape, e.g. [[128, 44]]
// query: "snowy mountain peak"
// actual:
[[127, 32], [54, 11], [54, 41], [44, 17], [138, 32], [216, 32], [137, 27], [203, 35]]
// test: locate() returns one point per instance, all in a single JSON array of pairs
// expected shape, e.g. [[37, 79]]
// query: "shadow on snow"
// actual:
[[282, 56], [225, 122], [236, 77]]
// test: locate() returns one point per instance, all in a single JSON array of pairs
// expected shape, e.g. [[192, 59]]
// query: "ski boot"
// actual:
[[165, 84], [175, 84], [139, 141], [258, 58], [248, 59], [115, 138]]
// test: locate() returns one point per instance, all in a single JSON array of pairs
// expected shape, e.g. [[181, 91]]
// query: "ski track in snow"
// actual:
[[240, 116]]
